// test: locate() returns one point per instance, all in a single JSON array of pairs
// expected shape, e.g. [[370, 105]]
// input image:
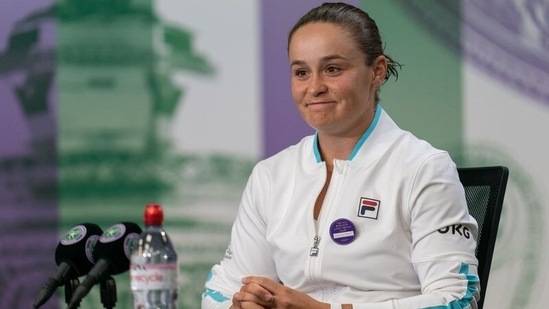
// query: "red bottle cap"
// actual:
[[154, 215]]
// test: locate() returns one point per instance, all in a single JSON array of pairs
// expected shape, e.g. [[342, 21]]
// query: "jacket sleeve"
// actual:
[[443, 240], [455, 287], [248, 251]]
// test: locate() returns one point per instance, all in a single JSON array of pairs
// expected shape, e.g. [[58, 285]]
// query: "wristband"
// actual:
[[336, 306]]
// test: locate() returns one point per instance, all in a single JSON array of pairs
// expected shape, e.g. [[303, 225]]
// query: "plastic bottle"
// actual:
[[154, 267]]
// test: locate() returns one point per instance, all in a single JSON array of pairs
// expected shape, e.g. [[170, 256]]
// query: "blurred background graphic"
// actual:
[[107, 105]]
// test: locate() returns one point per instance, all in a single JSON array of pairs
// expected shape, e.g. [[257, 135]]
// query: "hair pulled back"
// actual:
[[358, 24]]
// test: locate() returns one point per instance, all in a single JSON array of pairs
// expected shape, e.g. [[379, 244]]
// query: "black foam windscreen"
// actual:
[[111, 255], [76, 247], [115, 246], [74, 258]]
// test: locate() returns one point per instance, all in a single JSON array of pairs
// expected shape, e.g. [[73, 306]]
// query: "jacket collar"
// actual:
[[361, 141]]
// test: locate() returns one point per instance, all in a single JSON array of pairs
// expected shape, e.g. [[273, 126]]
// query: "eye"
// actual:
[[332, 69], [300, 73]]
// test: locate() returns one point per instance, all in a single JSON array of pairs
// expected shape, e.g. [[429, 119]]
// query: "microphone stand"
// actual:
[[108, 292], [70, 286]]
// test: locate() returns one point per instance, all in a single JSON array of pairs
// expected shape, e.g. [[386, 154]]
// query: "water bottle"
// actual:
[[154, 267]]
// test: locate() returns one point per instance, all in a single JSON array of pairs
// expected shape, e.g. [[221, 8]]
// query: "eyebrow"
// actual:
[[323, 59]]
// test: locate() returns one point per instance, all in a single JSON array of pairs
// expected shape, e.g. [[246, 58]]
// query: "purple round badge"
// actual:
[[342, 231]]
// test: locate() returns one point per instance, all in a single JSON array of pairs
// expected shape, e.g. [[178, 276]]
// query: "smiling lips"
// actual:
[[321, 103]]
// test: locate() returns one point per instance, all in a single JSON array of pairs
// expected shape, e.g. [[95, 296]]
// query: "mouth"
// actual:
[[318, 103]]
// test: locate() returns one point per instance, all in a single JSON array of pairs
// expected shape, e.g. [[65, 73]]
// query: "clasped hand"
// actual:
[[260, 292]]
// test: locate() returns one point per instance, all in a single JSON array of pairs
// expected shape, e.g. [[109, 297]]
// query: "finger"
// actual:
[[265, 300], [263, 288], [251, 305], [243, 297], [270, 302], [261, 295], [266, 283], [254, 288], [235, 305]]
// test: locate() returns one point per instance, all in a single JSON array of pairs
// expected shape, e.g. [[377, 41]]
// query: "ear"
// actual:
[[379, 71]]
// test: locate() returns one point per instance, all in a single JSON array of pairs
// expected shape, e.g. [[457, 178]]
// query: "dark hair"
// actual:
[[359, 24]]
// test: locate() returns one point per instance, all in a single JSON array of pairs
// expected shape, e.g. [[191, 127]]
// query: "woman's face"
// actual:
[[332, 86]]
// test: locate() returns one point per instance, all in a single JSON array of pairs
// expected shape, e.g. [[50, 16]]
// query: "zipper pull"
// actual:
[[314, 249]]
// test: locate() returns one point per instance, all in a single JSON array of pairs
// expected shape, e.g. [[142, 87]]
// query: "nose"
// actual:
[[317, 85]]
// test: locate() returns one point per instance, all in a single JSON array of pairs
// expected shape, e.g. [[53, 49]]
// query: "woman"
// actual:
[[360, 215]]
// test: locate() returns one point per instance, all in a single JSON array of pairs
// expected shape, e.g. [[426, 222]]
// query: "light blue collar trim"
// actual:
[[315, 148], [361, 141], [366, 134]]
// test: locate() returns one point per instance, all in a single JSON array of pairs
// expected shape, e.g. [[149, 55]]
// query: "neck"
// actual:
[[340, 145], [339, 148]]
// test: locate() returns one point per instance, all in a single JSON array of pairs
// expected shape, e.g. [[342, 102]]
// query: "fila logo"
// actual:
[[368, 208]]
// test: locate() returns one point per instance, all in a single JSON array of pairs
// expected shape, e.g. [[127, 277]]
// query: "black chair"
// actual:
[[484, 191]]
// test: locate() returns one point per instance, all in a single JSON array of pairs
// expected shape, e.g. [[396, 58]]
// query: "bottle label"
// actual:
[[154, 276]]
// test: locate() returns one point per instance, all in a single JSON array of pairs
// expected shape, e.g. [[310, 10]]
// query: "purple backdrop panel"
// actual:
[[28, 205]]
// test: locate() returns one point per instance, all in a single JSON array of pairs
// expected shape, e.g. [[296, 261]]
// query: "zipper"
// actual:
[[314, 249], [335, 183], [327, 208], [311, 270]]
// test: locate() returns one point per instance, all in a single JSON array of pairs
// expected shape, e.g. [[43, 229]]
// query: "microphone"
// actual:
[[73, 257], [111, 255]]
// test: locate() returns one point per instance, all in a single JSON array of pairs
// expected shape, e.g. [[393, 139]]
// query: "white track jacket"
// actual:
[[394, 230]]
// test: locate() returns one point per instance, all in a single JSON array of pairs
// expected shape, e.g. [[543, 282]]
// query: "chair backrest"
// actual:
[[484, 191]]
